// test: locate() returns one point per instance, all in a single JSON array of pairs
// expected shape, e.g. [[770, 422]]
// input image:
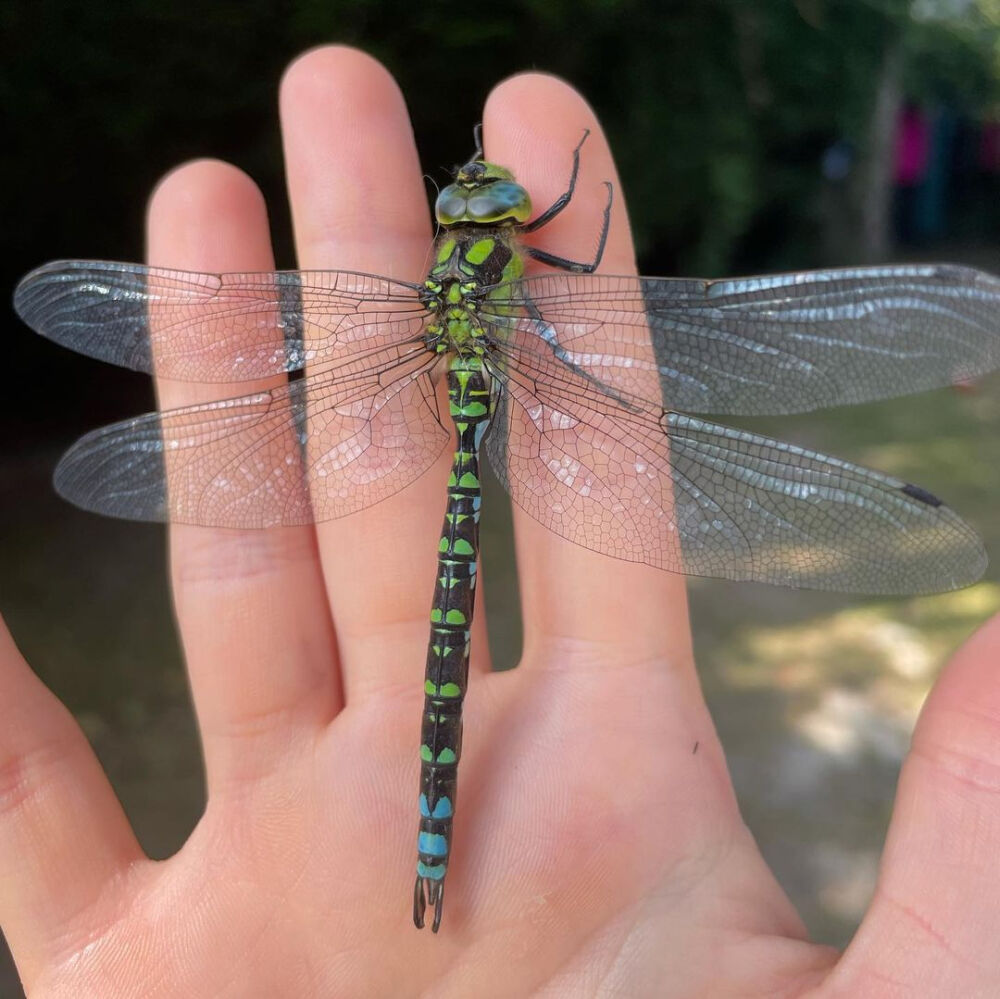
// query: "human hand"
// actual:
[[594, 853]]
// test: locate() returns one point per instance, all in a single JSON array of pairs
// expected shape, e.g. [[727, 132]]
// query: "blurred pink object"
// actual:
[[989, 147], [912, 146]]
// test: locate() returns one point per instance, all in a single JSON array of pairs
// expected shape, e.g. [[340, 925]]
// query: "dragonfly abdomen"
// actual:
[[447, 670]]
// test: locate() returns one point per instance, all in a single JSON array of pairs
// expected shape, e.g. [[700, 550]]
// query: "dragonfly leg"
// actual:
[[576, 266], [564, 199]]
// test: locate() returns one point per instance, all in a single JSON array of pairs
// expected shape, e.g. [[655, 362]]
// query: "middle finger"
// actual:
[[358, 203]]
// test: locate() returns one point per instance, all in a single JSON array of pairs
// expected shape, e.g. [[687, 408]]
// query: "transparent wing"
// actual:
[[216, 327], [785, 343], [295, 454], [683, 494]]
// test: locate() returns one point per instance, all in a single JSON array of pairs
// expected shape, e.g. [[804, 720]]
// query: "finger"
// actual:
[[358, 203], [251, 604], [934, 922], [532, 124], [64, 838]]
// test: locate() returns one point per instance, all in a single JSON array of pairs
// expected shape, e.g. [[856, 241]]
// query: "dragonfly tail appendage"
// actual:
[[426, 892]]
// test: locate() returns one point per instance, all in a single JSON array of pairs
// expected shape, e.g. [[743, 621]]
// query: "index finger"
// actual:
[[532, 124]]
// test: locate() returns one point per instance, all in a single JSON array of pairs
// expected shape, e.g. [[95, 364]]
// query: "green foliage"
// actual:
[[955, 59], [718, 111]]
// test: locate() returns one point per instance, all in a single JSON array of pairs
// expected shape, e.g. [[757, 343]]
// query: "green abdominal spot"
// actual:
[[446, 755], [445, 690]]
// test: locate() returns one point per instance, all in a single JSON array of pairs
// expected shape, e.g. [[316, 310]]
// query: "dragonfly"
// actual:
[[588, 392]]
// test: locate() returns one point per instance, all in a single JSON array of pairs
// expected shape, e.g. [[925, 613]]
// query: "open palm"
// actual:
[[595, 852]]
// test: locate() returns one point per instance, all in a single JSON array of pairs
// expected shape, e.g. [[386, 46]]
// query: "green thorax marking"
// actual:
[[477, 255], [467, 261]]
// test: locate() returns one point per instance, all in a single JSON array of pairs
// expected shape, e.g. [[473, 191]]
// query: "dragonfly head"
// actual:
[[483, 194]]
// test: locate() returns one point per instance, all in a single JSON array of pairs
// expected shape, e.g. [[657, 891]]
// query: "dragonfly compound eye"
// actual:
[[496, 202], [450, 205], [501, 201]]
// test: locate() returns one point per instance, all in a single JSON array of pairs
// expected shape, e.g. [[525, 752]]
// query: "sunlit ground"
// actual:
[[814, 695]]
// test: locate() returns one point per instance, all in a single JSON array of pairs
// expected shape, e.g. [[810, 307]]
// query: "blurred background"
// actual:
[[750, 137]]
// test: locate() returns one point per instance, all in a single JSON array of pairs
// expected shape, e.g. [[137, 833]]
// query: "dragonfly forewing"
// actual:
[[778, 344], [217, 327]]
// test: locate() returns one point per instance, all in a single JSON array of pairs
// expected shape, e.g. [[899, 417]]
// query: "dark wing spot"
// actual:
[[921, 494]]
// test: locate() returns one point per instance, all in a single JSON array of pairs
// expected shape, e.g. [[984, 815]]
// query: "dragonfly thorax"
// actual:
[[471, 265]]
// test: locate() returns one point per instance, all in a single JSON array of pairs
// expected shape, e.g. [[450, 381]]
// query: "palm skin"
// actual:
[[595, 854]]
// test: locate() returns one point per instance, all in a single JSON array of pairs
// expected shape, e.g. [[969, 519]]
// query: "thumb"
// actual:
[[933, 925]]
